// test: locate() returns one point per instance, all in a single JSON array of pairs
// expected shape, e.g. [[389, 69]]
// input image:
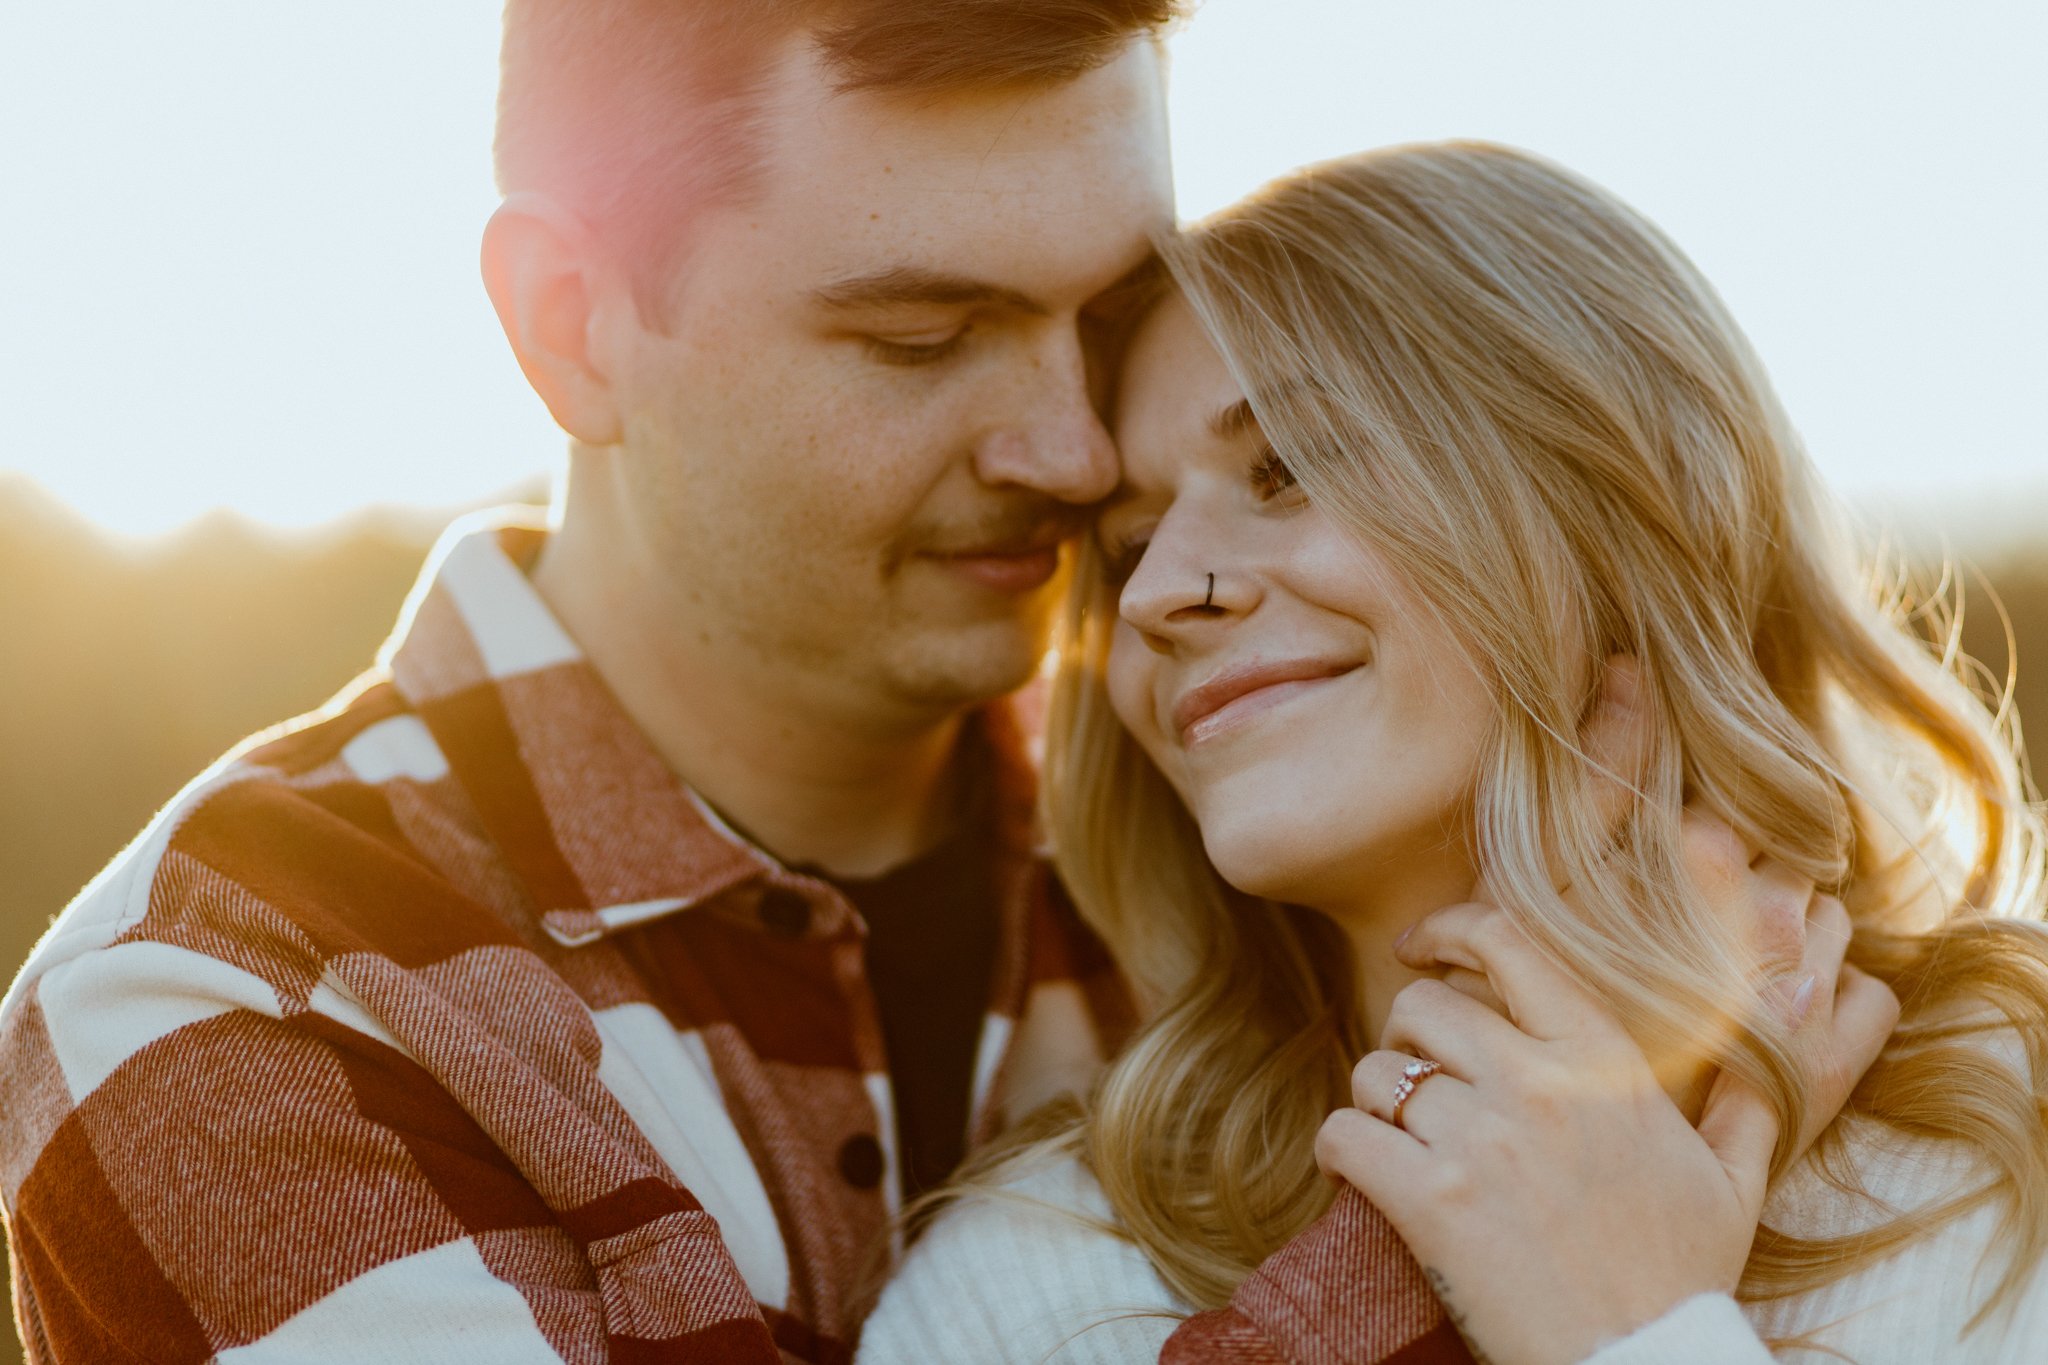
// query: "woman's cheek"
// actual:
[[1129, 678]]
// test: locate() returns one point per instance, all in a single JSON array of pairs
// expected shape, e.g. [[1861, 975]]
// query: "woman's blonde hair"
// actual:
[[1525, 399]]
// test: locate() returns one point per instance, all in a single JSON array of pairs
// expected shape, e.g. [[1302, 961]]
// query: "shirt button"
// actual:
[[785, 912], [860, 1162]]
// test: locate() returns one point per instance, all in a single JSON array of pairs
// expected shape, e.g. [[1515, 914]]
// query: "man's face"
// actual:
[[854, 449]]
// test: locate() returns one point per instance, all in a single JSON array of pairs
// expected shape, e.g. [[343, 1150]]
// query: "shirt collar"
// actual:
[[590, 818]]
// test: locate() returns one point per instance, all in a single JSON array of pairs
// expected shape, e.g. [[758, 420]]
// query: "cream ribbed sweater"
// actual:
[[1021, 1281]]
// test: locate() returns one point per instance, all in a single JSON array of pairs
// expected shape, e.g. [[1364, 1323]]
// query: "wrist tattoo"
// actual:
[[1442, 1289]]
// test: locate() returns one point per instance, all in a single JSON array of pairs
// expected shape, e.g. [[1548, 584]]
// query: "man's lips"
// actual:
[[1202, 710], [1013, 568]]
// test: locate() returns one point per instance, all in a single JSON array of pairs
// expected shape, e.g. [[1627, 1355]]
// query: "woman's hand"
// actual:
[[1554, 1194]]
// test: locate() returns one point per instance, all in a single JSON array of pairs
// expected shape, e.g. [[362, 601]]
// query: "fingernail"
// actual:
[[1402, 937]]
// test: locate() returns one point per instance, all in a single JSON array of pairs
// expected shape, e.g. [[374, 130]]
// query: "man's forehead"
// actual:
[[1097, 140]]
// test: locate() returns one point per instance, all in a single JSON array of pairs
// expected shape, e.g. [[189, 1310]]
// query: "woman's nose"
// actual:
[[1177, 588]]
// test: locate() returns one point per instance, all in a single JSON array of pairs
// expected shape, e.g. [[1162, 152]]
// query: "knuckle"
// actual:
[[1367, 1076], [1495, 933], [1869, 996], [1412, 1005], [1452, 1182], [1780, 932], [1446, 925], [1329, 1140], [1337, 1140], [1888, 1006], [1477, 987], [1827, 915]]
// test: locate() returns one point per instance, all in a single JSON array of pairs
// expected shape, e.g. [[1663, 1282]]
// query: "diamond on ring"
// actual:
[[1412, 1076]]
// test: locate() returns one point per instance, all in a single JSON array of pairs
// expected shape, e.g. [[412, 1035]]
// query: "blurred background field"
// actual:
[[129, 665]]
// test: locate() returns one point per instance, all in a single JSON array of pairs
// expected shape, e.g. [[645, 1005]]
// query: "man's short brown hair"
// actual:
[[636, 112]]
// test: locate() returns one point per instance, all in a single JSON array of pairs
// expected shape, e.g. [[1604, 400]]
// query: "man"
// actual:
[[596, 977]]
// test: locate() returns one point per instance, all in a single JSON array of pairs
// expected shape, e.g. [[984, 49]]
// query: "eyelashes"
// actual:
[[1267, 476], [1270, 476], [910, 354]]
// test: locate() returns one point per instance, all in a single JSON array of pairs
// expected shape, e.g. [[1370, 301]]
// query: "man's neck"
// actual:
[[811, 786]]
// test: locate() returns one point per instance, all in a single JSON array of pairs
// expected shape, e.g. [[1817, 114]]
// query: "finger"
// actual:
[[1863, 1014], [1475, 987], [1616, 741], [1436, 1103], [1716, 859], [1429, 1019], [1779, 903], [1374, 1157], [1540, 998], [1820, 967], [1741, 1129], [1828, 932]]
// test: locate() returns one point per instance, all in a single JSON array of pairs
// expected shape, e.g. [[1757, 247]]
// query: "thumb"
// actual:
[[1741, 1130]]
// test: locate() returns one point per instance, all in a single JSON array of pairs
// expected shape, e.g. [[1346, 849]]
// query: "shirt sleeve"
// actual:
[[196, 1171], [1345, 1289]]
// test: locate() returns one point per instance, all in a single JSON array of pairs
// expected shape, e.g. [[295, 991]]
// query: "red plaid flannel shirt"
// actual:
[[447, 1025]]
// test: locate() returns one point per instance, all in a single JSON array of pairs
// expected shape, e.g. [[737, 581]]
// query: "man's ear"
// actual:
[[544, 274]]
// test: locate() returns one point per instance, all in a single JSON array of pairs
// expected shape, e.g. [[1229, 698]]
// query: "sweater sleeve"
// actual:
[[1030, 1273], [1923, 1301], [1707, 1329], [1034, 1274]]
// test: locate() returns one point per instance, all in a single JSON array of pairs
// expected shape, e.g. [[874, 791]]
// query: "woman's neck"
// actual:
[[1373, 922]]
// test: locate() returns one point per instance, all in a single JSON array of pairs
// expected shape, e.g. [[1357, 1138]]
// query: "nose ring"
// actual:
[[1210, 599]]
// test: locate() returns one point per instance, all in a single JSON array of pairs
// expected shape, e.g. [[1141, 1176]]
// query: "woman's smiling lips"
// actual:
[[1240, 691]]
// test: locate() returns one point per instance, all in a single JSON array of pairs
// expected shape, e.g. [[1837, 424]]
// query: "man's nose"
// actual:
[[1053, 440]]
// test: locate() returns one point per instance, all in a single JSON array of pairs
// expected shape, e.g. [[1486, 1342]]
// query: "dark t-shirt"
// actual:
[[930, 952]]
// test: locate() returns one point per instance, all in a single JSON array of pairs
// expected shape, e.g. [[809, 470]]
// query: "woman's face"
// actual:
[[1321, 725]]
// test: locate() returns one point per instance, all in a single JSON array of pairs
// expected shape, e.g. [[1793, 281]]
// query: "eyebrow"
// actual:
[[1237, 418], [901, 284], [1234, 420]]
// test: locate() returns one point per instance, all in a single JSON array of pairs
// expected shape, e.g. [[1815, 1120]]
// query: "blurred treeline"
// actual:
[[128, 666], [125, 668]]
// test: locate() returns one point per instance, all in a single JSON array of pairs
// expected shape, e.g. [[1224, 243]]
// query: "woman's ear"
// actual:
[[544, 273]]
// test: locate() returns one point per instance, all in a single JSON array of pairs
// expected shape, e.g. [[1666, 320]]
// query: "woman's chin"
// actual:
[[1266, 858]]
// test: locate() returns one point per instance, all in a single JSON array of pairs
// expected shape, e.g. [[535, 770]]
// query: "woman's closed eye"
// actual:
[[1270, 476]]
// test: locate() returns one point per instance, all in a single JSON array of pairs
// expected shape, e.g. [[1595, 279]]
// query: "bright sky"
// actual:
[[237, 239]]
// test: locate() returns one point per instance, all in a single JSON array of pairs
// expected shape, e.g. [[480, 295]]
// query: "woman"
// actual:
[[1419, 439]]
